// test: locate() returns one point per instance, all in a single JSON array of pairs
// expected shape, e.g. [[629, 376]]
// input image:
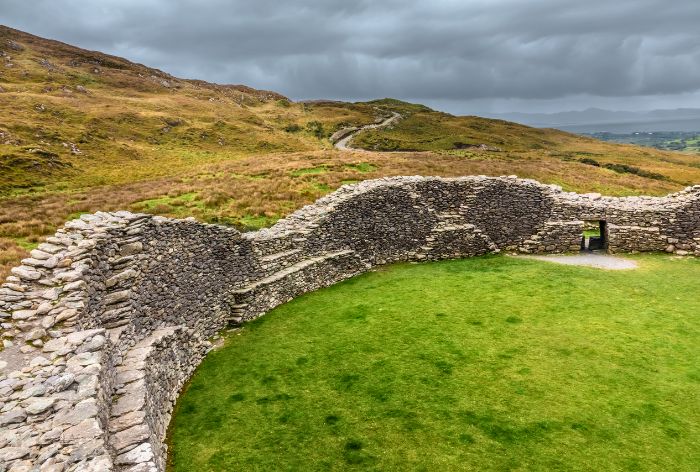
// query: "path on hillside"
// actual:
[[344, 143]]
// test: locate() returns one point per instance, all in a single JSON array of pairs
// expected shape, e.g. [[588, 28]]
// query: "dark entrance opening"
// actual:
[[594, 236]]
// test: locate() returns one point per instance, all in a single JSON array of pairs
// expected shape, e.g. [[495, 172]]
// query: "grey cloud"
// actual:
[[438, 51]]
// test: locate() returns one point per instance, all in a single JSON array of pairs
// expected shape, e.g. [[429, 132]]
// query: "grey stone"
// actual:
[[83, 359], [49, 263], [128, 403], [80, 412], [78, 337], [62, 382], [52, 293], [26, 273], [22, 466], [94, 344], [121, 277], [47, 322], [128, 437], [34, 406], [48, 452], [44, 308], [85, 430], [70, 276], [35, 334], [66, 314], [39, 361], [51, 435], [30, 390], [116, 297], [39, 254], [131, 248], [139, 454], [77, 285], [23, 314], [8, 454], [53, 345], [18, 415], [50, 248], [98, 464], [127, 420]]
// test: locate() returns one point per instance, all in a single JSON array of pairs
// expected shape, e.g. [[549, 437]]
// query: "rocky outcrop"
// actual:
[[106, 321]]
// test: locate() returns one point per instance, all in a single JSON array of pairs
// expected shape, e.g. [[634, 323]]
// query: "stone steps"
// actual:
[[279, 255], [290, 270], [292, 275], [447, 224]]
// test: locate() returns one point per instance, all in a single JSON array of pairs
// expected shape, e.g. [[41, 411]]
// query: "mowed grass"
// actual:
[[491, 363]]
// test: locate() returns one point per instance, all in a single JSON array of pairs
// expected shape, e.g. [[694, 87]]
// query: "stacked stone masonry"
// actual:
[[107, 320]]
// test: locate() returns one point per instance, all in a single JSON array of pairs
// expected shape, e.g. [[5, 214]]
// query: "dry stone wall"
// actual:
[[106, 321]]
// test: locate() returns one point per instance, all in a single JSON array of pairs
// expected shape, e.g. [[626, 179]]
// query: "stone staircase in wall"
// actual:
[[294, 275], [452, 237]]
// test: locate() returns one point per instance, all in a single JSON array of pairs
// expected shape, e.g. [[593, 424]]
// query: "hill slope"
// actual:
[[82, 131]]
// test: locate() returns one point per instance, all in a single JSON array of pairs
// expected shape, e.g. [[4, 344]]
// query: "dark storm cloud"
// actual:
[[441, 51]]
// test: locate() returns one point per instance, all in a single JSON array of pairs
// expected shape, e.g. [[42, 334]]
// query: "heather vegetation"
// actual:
[[82, 131]]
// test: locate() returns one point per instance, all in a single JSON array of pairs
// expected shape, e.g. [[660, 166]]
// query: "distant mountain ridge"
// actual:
[[598, 116]]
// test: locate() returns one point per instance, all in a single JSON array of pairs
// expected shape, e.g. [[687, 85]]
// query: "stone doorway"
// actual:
[[594, 236]]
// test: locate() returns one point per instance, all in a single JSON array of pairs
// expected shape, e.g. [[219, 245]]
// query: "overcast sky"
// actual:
[[466, 57]]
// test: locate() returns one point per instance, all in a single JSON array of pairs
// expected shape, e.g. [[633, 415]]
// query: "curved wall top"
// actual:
[[108, 318]]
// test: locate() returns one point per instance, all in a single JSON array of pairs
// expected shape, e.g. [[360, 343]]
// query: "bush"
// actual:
[[589, 161], [293, 128], [315, 128], [625, 169]]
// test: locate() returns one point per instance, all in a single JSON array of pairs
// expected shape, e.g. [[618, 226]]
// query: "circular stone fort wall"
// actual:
[[107, 320]]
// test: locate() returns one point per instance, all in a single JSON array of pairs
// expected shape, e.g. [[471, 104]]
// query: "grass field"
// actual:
[[490, 363]]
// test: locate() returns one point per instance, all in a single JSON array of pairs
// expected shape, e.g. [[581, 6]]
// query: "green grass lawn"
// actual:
[[490, 363]]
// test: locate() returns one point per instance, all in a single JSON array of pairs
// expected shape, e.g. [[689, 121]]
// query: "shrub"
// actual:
[[589, 161], [293, 128], [315, 128], [625, 169]]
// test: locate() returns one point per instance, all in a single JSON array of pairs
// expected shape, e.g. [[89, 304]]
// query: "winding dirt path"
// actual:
[[344, 143]]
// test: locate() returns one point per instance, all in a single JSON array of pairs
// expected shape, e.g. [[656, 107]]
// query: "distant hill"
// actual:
[[594, 120], [82, 131]]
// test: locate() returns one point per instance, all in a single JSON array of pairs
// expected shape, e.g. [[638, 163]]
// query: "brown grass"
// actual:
[[255, 191], [239, 156], [10, 255]]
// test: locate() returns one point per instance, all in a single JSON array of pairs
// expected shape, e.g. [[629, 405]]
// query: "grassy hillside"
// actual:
[[82, 131], [423, 129], [89, 118]]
